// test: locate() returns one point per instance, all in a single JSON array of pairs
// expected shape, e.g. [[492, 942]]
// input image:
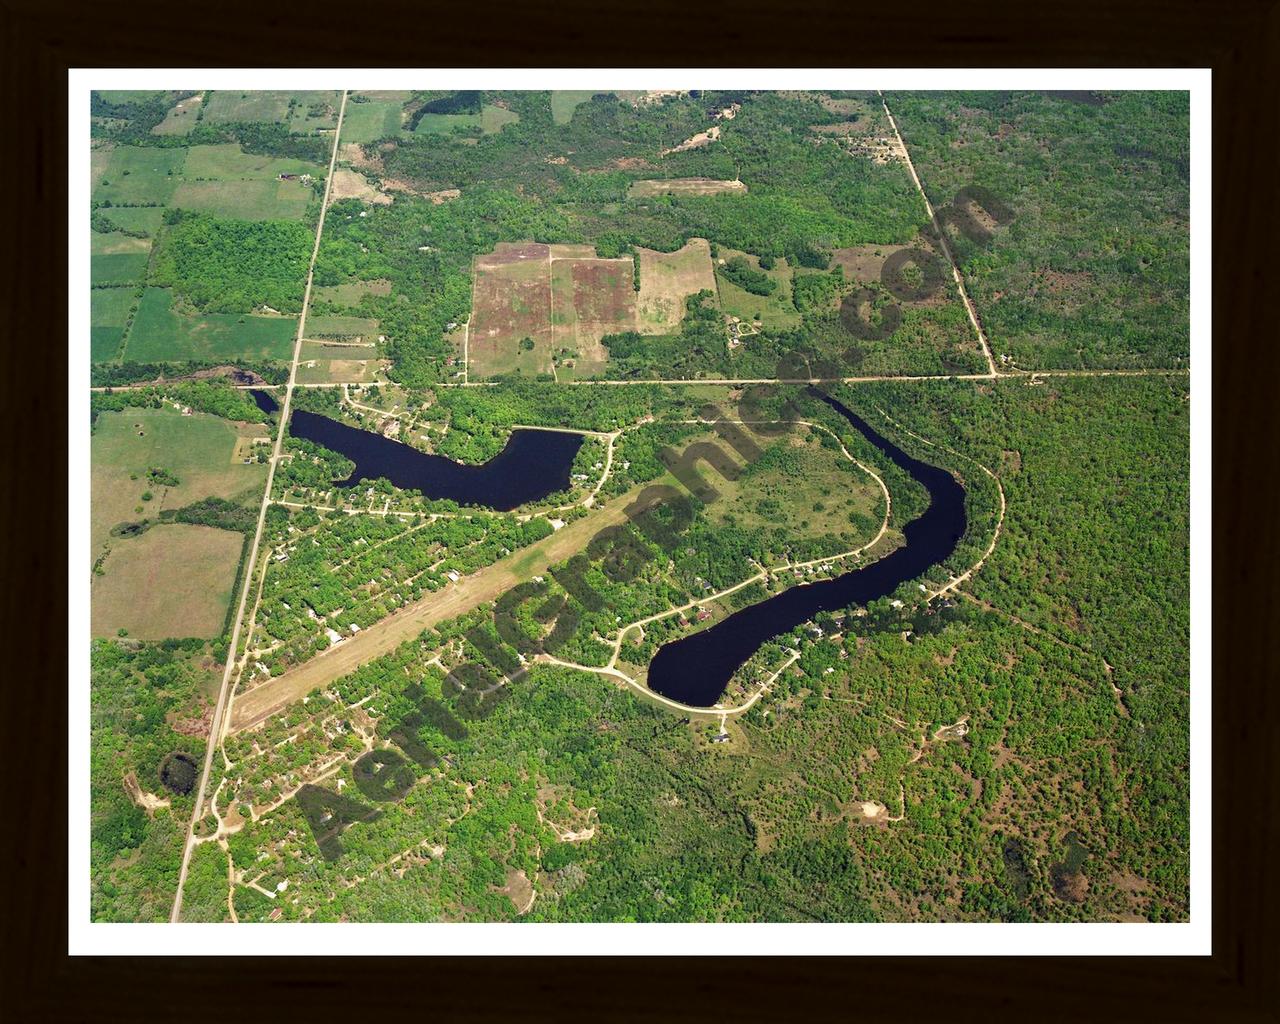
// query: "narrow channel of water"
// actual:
[[534, 464], [696, 669]]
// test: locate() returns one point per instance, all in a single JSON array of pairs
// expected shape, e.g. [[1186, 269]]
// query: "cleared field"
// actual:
[[108, 311], [259, 105], [99, 161], [341, 328], [368, 122], [173, 581], [228, 162], [315, 111], [815, 491], [136, 218], [666, 280], [684, 187], [349, 293], [565, 101], [355, 365], [159, 334], [467, 593], [198, 449], [115, 243], [589, 299], [511, 318], [490, 119], [136, 175], [118, 268], [245, 200], [775, 310], [181, 118]]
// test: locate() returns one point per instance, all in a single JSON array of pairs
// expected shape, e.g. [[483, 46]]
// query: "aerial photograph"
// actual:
[[626, 506]]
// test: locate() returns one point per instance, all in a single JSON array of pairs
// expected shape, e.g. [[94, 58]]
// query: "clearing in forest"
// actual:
[[175, 580], [511, 318], [162, 334], [590, 298], [198, 450], [684, 187], [667, 279]]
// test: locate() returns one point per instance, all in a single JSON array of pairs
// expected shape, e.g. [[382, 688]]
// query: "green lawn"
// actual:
[[159, 334], [139, 175], [245, 200], [121, 268], [342, 327]]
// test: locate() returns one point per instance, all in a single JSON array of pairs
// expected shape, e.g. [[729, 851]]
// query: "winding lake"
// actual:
[[696, 669], [534, 464]]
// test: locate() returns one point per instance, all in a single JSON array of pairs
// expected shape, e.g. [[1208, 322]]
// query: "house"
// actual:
[[720, 738]]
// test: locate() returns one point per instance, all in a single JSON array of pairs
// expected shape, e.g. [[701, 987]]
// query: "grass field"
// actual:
[[136, 175], [228, 162], [182, 118], [115, 243], [108, 311], [512, 303], [159, 334], [136, 218], [773, 311], [666, 280], [259, 105], [315, 111], [342, 328], [172, 581], [814, 490], [349, 292], [245, 200], [589, 299], [490, 119], [198, 449], [367, 122], [684, 187], [565, 101], [118, 268]]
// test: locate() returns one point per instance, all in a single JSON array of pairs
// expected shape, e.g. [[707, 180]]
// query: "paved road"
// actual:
[[215, 732]]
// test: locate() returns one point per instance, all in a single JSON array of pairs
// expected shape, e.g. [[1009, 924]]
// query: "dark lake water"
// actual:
[[264, 399], [695, 669], [534, 463]]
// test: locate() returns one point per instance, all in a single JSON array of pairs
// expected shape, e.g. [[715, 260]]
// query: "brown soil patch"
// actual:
[[512, 302], [684, 187], [354, 154], [349, 184], [696, 141]]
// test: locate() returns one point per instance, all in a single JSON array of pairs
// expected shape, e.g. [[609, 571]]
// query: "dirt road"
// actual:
[[458, 598]]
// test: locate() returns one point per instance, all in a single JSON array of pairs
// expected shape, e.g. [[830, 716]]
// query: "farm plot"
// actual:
[[491, 119], [245, 200], [226, 161], [511, 317], [108, 314], [327, 364], [684, 187], [135, 218], [589, 299], [182, 118], [667, 279], [198, 450], [118, 268], [368, 119], [172, 581], [161, 334], [259, 105], [565, 101], [349, 293], [138, 176]]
